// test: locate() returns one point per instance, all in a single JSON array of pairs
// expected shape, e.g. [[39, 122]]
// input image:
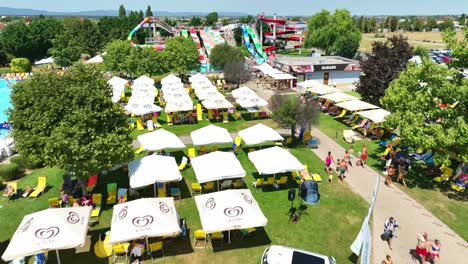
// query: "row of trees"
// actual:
[[412, 24]]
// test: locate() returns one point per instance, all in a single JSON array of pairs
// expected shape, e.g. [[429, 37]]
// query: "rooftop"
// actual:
[[323, 60]]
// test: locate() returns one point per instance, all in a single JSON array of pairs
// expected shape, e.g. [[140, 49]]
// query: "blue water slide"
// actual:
[[249, 45]]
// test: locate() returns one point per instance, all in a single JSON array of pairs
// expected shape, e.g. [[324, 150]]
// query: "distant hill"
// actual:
[[7, 11]]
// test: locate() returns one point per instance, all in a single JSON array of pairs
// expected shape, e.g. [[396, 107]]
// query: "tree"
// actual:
[[149, 13], [391, 23], [335, 33], [238, 35], [117, 54], [20, 65], [111, 28], [459, 48], [225, 22], [80, 36], [122, 11], [387, 60], [181, 55], [15, 40], [235, 72], [431, 23], [223, 54], [463, 20], [290, 112], [195, 21], [69, 121], [447, 24], [418, 25], [421, 51], [296, 19], [247, 20], [211, 19], [428, 103], [41, 31]]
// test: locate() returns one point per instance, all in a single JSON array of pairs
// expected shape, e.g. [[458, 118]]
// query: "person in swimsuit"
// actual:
[[390, 174], [401, 170], [389, 230], [328, 160], [387, 260], [364, 155], [347, 158], [434, 251], [343, 169], [351, 153], [421, 247]]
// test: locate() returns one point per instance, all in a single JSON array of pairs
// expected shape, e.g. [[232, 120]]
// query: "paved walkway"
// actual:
[[410, 215]]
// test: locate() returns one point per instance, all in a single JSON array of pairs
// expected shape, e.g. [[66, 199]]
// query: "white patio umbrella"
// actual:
[[243, 91], [170, 79], [207, 93], [144, 80], [251, 102], [159, 140], [258, 134], [176, 95], [50, 229], [217, 166], [275, 160], [96, 59], [217, 102], [229, 210], [141, 108], [151, 169], [179, 104], [118, 87], [210, 134], [144, 218], [173, 87], [197, 77], [338, 97], [376, 115], [44, 61]]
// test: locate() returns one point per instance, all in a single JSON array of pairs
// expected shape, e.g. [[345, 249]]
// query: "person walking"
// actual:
[[328, 161], [365, 153], [389, 230], [421, 247], [387, 260], [347, 158], [434, 251], [343, 168], [401, 170], [351, 154], [390, 173]]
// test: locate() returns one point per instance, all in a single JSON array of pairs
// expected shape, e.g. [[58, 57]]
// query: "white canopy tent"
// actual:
[[316, 87], [159, 140], [376, 115], [171, 80], [281, 76], [356, 105], [44, 61], [198, 77], [140, 108], [96, 59], [229, 210], [172, 87], [258, 134], [143, 218], [243, 91], [338, 97], [207, 93], [210, 134], [176, 95], [217, 102], [179, 104], [308, 84], [50, 229], [217, 166], [118, 87], [251, 102], [145, 80], [265, 68], [151, 169], [275, 160]]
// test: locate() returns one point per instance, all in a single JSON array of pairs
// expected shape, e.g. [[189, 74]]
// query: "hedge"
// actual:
[[9, 172]]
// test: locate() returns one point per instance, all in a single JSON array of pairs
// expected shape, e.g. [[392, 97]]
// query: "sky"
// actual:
[[280, 7]]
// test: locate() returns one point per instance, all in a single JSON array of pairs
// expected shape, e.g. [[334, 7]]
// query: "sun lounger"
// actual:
[[350, 136], [41, 185], [14, 188], [362, 124], [139, 124], [149, 125]]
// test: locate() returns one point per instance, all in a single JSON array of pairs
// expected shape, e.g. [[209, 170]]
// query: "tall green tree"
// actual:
[[387, 60], [431, 23], [418, 24], [459, 48], [122, 11], [429, 105], [290, 112], [335, 33], [69, 121], [446, 24], [195, 21], [111, 28], [391, 23], [117, 54], [149, 13], [211, 19], [15, 40], [223, 54], [182, 55]]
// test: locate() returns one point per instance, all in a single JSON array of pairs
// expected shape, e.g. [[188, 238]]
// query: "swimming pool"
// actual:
[[5, 98]]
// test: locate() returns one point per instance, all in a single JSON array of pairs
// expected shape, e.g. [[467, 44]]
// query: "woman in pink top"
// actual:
[[328, 161]]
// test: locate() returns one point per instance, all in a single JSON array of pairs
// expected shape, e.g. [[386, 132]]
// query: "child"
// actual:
[[338, 163], [359, 159], [330, 175]]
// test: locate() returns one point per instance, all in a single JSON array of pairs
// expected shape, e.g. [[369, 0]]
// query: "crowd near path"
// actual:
[[412, 217]]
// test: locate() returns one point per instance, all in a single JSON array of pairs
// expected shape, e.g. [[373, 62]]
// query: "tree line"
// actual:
[[373, 24]]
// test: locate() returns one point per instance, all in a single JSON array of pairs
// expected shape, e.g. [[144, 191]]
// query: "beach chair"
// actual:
[[140, 149], [258, 183], [196, 188], [447, 172], [209, 186], [225, 117], [226, 184], [111, 193], [343, 113], [369, 129], [365, 127], [156, 247], [120, 249], [139, 123], [238, 184], [238, 140], [246, 232], [71, 201], [97, 202], [54, 202], [161, 188], [192, 153], [150, 125], [14, 193], [351, 119], [362, 124], [269, 182], [183, 163], [122, 194], [169, 119], [355, 121], [41, 185], [282, 181], [218, 238], [91, 183], [256, 115], [199, 236], [175, 192], [238, 115], [210, 114], [202, 149]]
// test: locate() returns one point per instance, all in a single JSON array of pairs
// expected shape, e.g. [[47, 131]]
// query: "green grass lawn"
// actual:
[[451, 208], [327, 228], [353, 93]]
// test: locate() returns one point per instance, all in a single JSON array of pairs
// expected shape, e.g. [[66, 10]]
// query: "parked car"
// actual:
[[285, 255], [445, 58]]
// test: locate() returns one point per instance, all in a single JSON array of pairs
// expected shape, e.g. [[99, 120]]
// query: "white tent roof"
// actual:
[[159, 140], [44, 61], [249, 102], [144, 80], [96, 59], [142, 218], [210, 134], [217, 166], [204, 94], [229, 210], [170, 79], [317, 87], [50, 229], [179, 104], [282, 76], [172, 87], [141, 108], [176, 95], [198, 77], [275, 160], [242, 92], [267, 69], [338, 97], [151, 169], [118, 86], [376, 115], [309, 84], [216, 102], [259, 133], [356, 105]]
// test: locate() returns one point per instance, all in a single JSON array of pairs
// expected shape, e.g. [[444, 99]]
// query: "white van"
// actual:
[[286, 255]]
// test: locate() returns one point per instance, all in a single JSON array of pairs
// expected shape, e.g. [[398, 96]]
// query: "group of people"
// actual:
[[392, 163], [343, 165]]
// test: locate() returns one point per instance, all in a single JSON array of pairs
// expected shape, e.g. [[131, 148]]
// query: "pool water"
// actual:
[[5, 103]]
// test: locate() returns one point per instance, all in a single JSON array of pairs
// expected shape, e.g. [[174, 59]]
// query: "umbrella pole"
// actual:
[[58, 256], [154, 189], [147, 246], [229, 236], [218, 185]]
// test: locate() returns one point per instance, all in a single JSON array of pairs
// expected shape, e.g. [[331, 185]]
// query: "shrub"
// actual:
[[5, 70], [9, 172], [20, 65], [20, 161]]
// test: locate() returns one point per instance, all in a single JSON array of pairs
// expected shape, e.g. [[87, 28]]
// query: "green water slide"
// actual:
[[184, 33], [256, 42]]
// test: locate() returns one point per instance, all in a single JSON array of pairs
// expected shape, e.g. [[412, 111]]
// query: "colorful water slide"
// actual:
[[256, 42], [249, 45], [201, 54], [184, 33], [158, 47], [210, 39], [274, 21]]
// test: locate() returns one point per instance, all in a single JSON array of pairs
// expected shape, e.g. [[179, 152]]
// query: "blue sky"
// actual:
[[281, 7]]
